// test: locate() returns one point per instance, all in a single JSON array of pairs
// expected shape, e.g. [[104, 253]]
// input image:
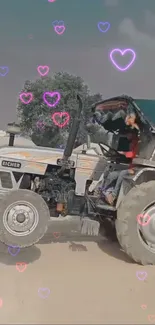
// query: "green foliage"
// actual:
[[68, 86]]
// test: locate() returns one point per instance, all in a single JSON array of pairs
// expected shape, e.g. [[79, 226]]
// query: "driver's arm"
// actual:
[[127, 154], [130, 154], [100, 134]]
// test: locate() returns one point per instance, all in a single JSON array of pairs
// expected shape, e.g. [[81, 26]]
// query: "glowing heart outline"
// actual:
[[42, 67], [51, 94], [60, 114], [57, 22], [122, 52], [103, 24], [4, 73], [26, 95], [59, 32]]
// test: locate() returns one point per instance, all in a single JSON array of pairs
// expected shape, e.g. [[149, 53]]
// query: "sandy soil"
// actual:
[[86, 282]]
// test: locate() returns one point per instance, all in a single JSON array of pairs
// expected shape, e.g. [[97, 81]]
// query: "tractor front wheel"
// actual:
[[24, 217]]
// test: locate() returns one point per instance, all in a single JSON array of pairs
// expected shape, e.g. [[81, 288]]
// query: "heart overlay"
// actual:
[[59, 29], [60, 115], [58, 23], [51, 94], [56, 235], [122, 53], [143, 219], [151, 318], [103, 26], [26, 98], [21, 266], [43, 70], [1, 303], [44, 292], [141, 275], [13, 250], [4, 71]]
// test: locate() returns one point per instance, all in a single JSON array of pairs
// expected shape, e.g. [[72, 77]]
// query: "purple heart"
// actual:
[[122, 52], [13, 250], [40, 125], [55, 93], [103, 26], [59, 29], [141, 275], [44, 292], [5, 71], [58, 23]]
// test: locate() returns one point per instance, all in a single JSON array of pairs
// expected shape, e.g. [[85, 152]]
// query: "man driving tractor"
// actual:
[[107, 139], [118, 176]]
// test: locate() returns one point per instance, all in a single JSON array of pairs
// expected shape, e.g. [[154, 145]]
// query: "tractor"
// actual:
[[39, 184]]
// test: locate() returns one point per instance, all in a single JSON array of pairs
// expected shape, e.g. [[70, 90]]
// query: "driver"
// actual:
[[130, 120], [107, 139], [119, 175], [105, 136]]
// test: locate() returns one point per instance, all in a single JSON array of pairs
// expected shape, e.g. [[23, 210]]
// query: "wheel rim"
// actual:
[[20, 218], [146, 228]]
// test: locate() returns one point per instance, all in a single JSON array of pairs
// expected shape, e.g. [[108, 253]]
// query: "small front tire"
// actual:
[[24, 217]]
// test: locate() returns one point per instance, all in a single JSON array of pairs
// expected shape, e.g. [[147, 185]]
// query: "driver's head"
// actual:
[[130, 119]]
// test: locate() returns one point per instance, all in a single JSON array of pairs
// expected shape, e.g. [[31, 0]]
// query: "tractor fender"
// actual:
[[141, 175], [144, 175]]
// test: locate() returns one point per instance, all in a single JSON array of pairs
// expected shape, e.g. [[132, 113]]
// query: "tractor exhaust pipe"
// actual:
[[71, 139], [12, 130], [11, 139], [73, 131]]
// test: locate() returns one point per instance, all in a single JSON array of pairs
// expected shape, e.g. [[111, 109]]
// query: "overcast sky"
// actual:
[[28, 40]]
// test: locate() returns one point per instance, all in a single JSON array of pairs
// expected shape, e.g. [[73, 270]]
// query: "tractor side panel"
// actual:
[[22, 166], [89, 167], [8, 181], [41, 155]]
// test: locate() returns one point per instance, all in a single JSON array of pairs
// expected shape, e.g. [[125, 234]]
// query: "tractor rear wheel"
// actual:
[[135, 224]]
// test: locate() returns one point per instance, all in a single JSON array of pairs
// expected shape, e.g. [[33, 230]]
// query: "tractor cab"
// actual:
[[109, 122], [111, 114]]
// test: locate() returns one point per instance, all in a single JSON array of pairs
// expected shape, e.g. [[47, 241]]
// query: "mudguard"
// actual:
[[141, 175]]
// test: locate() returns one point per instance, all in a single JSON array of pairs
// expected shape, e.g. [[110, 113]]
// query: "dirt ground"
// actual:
[[70, 280]]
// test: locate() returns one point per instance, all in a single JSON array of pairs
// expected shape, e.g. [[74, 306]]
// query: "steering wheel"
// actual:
[[110, 150]]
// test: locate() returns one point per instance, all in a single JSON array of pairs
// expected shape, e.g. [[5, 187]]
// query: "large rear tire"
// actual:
[[138, 241], [24, 217]]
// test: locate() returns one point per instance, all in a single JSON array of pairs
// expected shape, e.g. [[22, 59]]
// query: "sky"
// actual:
[[28, 39]]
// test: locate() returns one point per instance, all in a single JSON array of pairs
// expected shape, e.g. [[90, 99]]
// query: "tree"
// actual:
[[36, 117]]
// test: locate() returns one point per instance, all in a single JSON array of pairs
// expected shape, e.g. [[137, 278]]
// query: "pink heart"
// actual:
[[59, 29], [60, 114], [21, 266], [43, 70], [26, 98], [56, 234], [1, 302], [151, 318], [143, 219]]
